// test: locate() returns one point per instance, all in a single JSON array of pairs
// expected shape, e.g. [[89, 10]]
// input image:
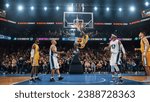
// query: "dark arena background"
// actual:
[[23, 21]]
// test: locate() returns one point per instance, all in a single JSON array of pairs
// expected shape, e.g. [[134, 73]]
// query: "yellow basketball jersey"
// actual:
[[36, 51], [82, 41], [143, 46]]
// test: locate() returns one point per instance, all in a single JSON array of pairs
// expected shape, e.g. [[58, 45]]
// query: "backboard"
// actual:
[[71, 18]]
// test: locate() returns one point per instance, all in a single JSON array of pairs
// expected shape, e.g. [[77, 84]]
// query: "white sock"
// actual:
[[59, 75]]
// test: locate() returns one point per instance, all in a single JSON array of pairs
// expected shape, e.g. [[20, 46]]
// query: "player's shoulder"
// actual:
[[52, 46], [110, 41], [144, 39], [34, 45], [119, 41]]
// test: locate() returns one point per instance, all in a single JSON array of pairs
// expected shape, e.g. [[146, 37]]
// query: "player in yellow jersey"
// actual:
[[145, 50], [34, 58], [81, 42]]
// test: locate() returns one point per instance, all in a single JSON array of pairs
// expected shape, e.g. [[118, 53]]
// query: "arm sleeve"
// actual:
[[146, 44], [32, 53], [122, 48]]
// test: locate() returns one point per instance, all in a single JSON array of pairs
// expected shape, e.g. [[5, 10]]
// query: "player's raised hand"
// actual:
[[106, 49], [124, 56], [136, 49], [61, 52]]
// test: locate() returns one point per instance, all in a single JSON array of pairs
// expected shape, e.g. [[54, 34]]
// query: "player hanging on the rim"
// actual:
[[116, 49], [81, 42]]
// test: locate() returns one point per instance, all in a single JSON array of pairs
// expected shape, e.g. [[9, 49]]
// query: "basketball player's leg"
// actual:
[[59, 75], [146, 66], [36, 67], [118, 62], [55, 66], [113, 72], [114, 67], [33, 70], [148, 70], [85, 69], [32, 73], [148, 63], [51, 61], [52, 75], [36, 73], [112, 64], [57, 69], [118, 73]]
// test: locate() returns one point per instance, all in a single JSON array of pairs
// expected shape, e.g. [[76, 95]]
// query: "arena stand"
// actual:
[[19, 50]]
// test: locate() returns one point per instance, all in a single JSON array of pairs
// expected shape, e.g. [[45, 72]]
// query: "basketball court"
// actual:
[[75, 22], [75, 79]]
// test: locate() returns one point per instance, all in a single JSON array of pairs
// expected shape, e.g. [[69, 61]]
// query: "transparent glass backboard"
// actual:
[[71, 18]]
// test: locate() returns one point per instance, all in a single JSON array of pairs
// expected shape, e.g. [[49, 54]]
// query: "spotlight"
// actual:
[[7, 5], [146, 3], [32, 8], [57, 8], [45, 8], [82, 7], [107, 9], [70, 8], [95, 8], [132, 8], [120, 9], [20, 7]]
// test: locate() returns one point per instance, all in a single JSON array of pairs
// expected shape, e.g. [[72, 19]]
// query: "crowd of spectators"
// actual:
[[94, 60], [57, 31], [25, 32]]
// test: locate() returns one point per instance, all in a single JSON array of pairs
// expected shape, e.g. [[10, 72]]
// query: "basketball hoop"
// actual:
[[78, 20]]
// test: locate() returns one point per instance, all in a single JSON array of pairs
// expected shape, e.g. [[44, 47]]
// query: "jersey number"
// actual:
[[113, 46]]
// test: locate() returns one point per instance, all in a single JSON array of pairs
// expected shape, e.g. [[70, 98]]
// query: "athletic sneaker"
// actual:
[[33, 80], [120, 81], [60, 78], [113, 81], [52, 80], [38, 79]]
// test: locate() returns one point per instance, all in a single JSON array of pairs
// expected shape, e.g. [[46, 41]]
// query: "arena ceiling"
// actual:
[[98, 7]]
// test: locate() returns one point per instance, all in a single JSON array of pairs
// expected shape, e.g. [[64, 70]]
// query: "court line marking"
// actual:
[[19, 82], [25, 80], [103, 80]]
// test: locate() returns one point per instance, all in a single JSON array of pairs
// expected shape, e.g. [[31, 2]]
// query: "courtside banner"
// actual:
[[74, 93]]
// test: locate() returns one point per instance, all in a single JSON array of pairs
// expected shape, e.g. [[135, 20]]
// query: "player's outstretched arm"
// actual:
[[107, 48], [123, 50], [137, 49], [146, 46]]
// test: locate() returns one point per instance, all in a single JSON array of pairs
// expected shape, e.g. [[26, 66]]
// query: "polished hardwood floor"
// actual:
[[7, 80], [145, 79]]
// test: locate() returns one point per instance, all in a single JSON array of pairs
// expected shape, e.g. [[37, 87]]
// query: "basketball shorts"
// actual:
[[53, 62], [115, 59], [146, 60], [35, 62]]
